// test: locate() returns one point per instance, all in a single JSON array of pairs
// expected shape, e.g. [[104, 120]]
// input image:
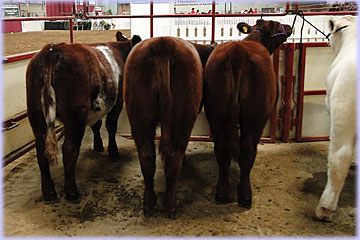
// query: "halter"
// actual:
[[340, 28], [280, 34], [275, 34]]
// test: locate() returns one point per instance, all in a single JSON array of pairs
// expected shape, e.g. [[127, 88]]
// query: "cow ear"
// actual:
[[331, 25], [259, 21], [135, 40], [120, 36], [244, 28]]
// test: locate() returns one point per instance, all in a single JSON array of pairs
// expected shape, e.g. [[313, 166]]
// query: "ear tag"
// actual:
[[245, 29]]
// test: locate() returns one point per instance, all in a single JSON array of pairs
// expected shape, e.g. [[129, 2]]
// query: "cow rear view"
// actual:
[[77, 84], [240, 91], [162, 84]]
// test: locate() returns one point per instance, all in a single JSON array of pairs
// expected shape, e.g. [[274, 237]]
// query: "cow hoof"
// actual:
[[171, 213], [51, 196], [245, 202], [98, 148], [73, 198], [149, 212], [221, 199], [114, 154], [323, 214]]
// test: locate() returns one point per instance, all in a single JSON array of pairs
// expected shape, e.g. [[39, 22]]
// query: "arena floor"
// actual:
[[14, 43], [287, 180]]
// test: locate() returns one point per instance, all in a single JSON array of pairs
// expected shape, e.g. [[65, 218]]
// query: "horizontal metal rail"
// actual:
[[38, 18]]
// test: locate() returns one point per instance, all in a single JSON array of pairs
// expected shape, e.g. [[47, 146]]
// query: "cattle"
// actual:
[[341, 104], [78, 84], [162, 84], [240, 91], [98, 143], [204, 51]]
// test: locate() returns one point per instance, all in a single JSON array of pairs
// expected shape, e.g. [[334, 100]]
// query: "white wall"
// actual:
[[30, 26], [139, 26], [13, 83]]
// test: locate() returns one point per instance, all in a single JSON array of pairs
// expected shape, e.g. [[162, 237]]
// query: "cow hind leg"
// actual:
[[98, 143], [47, 184], [39, 128], [226, 140], [250, 136], [173, 164], [70, 150], [144, 140], [111, 126], [173, 151]]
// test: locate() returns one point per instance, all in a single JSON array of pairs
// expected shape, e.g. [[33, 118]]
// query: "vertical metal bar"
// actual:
[[287, 6], [84, 7], [74, 8], [71, 31], [287, 83], [213, 22], [297, 5], [276, 60], [19, 4], [300, 99], [151, 18]]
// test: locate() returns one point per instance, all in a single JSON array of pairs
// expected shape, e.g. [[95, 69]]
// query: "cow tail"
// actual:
[[48, 102], [166, 109], [236, 73]]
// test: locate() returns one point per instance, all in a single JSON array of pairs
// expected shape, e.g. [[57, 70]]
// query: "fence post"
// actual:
[[213, 22], [287, 84], [151, 18], [71, 31]]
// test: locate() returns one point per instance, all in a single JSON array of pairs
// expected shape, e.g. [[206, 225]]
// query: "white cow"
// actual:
[[341, 104]]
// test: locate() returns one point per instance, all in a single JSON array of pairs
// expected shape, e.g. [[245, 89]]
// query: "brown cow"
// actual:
[[162, 84], [78, 84], [240, 89]]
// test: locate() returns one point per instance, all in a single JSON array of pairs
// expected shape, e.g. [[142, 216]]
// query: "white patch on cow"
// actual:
[[109, 56], [101, 110]]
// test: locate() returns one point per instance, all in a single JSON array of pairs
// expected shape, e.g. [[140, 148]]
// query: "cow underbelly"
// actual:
[[95, 116], [100, 107]]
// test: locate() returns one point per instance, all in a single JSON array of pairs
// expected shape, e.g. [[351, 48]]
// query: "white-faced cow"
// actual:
[[240, 89], [77, 84], [162, 84], [341, 104]]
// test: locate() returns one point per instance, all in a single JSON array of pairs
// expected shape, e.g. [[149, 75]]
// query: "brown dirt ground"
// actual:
[[14, 43], [287, 181]]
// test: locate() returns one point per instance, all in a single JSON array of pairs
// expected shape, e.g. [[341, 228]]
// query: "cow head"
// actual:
[[120, 37], [270, 34], [338, 28]]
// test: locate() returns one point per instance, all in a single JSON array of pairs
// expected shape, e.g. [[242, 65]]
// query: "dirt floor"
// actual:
[[14, 43], [287, 180]]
